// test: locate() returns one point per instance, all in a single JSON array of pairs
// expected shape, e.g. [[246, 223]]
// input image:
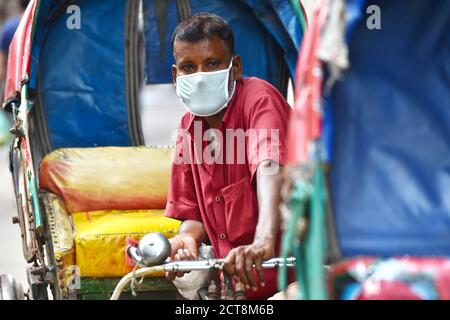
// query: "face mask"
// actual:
[[205, 93]]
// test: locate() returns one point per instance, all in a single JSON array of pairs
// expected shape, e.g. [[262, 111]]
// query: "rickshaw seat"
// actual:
[[97, 198]]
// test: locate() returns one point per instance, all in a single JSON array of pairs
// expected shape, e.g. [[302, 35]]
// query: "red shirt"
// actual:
[[217, 186]]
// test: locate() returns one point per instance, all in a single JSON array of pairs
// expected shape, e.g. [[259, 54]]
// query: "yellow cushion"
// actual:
[[101, 238]]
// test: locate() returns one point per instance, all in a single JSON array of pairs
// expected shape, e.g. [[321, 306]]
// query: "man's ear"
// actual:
[[237, 68], [174, 74]]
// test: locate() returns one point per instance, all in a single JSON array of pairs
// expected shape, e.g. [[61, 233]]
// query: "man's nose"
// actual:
[[200, 80], [200, 83]]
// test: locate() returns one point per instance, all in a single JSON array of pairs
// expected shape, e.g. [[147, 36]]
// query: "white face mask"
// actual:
[[205, 93]]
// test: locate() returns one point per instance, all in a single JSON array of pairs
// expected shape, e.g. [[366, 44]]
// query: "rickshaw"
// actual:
[[366, 205], [85, 183]]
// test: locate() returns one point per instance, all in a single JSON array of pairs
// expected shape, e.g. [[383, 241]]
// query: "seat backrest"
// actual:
[[109, 178]]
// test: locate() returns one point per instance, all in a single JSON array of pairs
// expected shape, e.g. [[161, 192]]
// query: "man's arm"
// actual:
[[240, 260], [190, 235]]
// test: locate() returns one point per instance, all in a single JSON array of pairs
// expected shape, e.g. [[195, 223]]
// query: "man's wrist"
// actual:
[[184, 235], [268, 240]]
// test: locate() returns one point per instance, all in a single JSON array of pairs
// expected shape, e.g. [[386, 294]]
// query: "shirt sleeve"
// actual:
[[182, 201], [267, 120]]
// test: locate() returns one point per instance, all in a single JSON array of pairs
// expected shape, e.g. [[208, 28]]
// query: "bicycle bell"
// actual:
[[152, 250]]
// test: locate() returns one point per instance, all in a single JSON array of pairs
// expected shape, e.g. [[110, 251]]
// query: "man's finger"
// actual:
[[249, 270], [240, 268], [170, 276], [188, 255], [191, 245], [175, 244], [260, 271], [181, 255], [229, 263]]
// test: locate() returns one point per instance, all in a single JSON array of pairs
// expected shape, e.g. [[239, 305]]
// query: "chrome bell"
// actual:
[[152, 250]]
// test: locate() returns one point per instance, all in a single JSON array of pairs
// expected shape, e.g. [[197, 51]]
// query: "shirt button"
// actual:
[[222, 236], [217, 198]]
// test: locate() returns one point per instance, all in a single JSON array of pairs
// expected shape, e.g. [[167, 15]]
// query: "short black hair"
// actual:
[[202, 26]]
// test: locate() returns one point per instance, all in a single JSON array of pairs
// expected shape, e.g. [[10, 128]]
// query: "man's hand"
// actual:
[[240, 261], [183, 242], [184, 247]]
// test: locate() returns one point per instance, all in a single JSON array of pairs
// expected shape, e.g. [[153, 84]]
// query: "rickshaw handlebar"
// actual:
[[190, 265], [217, 264], [154, 248]]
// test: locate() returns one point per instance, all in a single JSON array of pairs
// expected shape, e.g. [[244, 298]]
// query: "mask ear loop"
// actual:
[[227, 92], [232, 92]]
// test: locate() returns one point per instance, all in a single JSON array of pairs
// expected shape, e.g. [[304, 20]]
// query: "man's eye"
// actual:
[[213, 64], [188, 68]]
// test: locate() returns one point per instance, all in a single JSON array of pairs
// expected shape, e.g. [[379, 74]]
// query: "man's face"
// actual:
[[207, 55]]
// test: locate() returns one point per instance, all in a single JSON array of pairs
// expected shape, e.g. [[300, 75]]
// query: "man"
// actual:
[[226, 193]]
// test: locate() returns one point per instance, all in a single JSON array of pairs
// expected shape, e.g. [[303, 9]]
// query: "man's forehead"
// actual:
[[209, 46]]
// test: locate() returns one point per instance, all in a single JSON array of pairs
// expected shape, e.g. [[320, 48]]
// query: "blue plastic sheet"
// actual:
[[81, 74], [391, 141], [266, 34]]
